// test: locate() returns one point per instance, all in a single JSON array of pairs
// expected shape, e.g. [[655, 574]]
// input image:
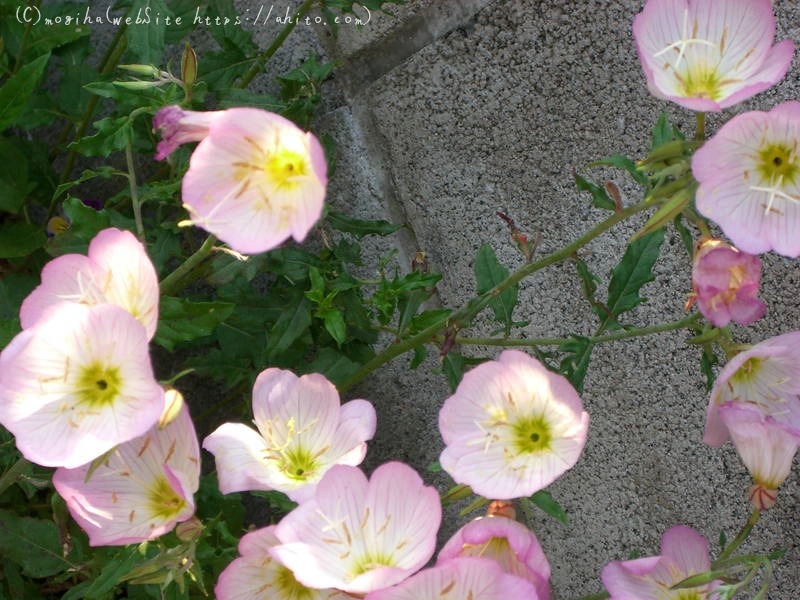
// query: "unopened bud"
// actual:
[[457, 493], [146, 70], [138, 85], [190, 530], [188, 66], [173, 402]]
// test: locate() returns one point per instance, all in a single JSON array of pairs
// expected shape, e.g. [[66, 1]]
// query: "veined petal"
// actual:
[[239, 453]]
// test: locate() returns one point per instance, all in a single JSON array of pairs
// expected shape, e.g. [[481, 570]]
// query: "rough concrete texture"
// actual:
[[458, 109]]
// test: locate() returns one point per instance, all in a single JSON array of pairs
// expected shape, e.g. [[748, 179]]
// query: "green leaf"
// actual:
[[14, 184], [182, 320], [18, 88], [453, 366], [600, 198], [103, 171], [358, 227], [707, 361], [229, 33], [334, 324], [85, 221], [663, 132], [112, 572], [146, 33], [53, 35], [8, 329], [333, 364], [20, 239], [574, 365], [632, 272], [545, 501], [291, 325], [112, 135], [669, 211], [489, 273], [420, 354], [33, 544], [624, 163], [14, 287]]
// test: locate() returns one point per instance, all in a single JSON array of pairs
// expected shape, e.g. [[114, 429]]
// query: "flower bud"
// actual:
[[188, 66], [190, 530], [725, 284], [146, 70]]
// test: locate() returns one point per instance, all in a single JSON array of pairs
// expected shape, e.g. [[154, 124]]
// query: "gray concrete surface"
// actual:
[[457, 109]]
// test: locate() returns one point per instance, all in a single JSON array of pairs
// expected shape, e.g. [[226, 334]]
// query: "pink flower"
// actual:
[[766, 447], [512, 427], [684, 552], [77, 383], [509, 543], [708, 55], [180, 127], [142, 488], [725, 283], [460, 579], [765, 378], [303, 432], [257, 576], [117, 271], [254, 180], [357, 535], [749, 175]]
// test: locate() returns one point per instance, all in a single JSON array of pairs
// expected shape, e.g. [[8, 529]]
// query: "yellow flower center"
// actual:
[[701, 82], [284, 167], [747, 372], [370, 561], [778, 163], [288, 587], [298, 464], [97, 385], [163, 501], [532, 435]]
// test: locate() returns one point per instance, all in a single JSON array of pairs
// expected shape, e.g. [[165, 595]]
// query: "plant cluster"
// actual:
[[102, 492]]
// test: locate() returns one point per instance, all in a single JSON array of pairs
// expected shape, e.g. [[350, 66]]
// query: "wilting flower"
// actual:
[[77, 383], [254, 180], [766, 377], [357, 535], [512, 427], [302, 432], [725, 284], [460, 579], [117, 271], [141, 488], [749, 175], [509, 543], [255, 575], [684, 552], [701, 55], [766, 447]]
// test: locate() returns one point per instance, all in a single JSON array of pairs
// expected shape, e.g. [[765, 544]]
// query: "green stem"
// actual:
[[137, 207], [476, 305], [267, 54], [630, 333], [9, 478], [739, 539], [700, 131], [174, 281]]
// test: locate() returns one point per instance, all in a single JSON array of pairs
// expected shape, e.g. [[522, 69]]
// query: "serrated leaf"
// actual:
[[181, 320], [18, 88], [112, 135], [291, 324], [334, 324], [545, 501], [664, 132], [146, 34], [573, 366], [359, 228], [33, 544], [489, 273], [600, 198], [633, 271]]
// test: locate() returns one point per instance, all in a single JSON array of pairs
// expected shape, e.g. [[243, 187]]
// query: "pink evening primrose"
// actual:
[[749, 176], [254, 180], [465, 578], [142, 488], [77, 383], [509, 543], [766, 378], [707, 55], [255, 575], [302, 432], [357, 535], [725, 284], [767, 449], [116, 271], [684, 552], [178, 127], [512, 427]]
